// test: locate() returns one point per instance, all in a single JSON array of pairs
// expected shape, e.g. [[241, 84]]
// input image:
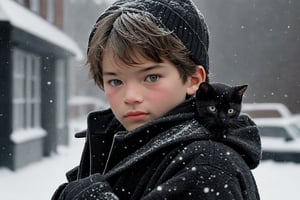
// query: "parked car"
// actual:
[[296, 119], [266, 110], [280, 139]]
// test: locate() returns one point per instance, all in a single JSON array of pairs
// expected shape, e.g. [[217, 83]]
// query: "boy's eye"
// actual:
[[152, 78], [115, 82]]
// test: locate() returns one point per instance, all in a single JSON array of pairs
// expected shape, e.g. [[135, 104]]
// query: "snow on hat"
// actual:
[[179, 16]]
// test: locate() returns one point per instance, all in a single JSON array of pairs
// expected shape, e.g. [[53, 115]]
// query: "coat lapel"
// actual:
[[178, 134]]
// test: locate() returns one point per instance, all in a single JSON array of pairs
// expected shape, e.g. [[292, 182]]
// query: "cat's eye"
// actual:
[[212, 108], [230, 111]]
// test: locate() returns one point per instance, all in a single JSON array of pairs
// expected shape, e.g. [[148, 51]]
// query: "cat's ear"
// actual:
[[241, 90]]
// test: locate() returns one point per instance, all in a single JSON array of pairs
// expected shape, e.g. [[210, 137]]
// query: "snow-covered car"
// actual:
[[280, 139], [296, 119], [266, 110]]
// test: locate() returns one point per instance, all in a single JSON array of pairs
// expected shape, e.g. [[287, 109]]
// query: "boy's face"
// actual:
[[143, 92]]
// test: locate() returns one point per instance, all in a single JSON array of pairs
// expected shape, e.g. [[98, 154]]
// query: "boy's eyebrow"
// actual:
[[109, 73], [139, 71], [150, 68]]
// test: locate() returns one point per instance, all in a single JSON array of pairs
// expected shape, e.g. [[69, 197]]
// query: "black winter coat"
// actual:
[[173, 157]]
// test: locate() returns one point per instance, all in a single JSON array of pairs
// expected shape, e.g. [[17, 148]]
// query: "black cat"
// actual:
[[218, 106]]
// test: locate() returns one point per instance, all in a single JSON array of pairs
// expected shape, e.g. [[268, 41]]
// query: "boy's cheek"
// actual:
[[113, 98], [158, 96], [111, 92]]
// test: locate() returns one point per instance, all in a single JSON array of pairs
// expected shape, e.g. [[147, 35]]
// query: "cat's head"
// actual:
[[219, 102]]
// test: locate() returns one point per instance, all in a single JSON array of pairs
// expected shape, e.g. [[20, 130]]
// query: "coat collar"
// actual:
[[179, 125], [182, 133], [108, 140], [105, 121]]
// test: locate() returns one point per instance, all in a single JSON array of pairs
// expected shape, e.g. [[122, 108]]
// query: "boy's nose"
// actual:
[[132, 95]]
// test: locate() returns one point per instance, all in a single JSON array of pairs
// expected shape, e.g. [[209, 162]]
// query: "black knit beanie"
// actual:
[[179, 16]]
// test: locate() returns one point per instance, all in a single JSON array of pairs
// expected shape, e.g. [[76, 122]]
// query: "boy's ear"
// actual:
[[195, 80]]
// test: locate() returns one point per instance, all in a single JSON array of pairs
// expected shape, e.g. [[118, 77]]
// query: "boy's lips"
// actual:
[[136, 115]]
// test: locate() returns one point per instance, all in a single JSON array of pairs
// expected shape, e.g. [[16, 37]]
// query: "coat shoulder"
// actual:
[[215, 154]]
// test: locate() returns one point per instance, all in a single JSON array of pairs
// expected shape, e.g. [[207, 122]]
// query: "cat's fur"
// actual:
[[218, 106]]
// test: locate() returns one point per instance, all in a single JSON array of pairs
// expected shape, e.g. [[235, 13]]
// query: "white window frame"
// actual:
[[51, 11], [35, 6], [60, 74], [26, 90], [18, 90]]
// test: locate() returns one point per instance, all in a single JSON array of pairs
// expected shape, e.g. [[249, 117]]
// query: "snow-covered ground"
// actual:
[[38, 181]]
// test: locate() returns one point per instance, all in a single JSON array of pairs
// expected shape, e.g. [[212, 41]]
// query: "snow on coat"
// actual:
[[173, 157]]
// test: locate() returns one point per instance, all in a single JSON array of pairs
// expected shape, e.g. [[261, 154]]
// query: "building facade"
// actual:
[[34, 56]]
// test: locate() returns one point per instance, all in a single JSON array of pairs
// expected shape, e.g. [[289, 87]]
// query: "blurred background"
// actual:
[[46, 94]]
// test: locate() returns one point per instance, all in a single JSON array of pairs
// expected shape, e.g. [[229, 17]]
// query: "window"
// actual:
[[35, 6], [26, 90], [269, 131], [61, 93], [264, 113], [51, 11]]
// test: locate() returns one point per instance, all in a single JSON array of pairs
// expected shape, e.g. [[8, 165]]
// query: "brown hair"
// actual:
[[132, 33]]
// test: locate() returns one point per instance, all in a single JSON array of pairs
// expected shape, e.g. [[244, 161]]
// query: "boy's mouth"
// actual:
[[136, 115]]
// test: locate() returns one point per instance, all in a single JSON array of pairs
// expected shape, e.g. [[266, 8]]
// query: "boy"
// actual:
[[150, 57]]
